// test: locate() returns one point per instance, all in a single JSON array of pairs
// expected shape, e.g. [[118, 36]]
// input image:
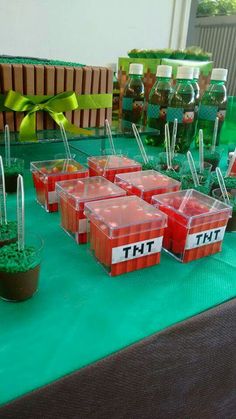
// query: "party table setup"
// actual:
[[117, 240]]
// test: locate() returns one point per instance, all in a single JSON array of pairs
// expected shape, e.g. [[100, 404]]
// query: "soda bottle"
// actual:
[[181, 107], [158, 103], [196, 89], [213, 104], [116, 93], [133, 97]]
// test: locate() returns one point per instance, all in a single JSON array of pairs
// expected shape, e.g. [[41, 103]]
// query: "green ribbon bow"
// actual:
[[54, 105]]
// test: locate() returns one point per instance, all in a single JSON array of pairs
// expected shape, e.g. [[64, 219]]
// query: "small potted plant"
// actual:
[[8, 229], [20, 261], [12, 166]]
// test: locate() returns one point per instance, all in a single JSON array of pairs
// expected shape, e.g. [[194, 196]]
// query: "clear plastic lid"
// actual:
[[146, 180], [125, 216], [190, 207], [55, 167], [78, 191], [112, 162]]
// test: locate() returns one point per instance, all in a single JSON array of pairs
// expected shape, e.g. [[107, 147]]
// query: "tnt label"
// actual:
[[136, 250], [205, 237]]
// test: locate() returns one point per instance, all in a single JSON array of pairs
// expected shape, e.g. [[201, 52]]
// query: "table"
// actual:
[[125, 340]]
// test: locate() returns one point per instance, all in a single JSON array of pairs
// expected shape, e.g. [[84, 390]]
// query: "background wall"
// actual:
[[90, 31]]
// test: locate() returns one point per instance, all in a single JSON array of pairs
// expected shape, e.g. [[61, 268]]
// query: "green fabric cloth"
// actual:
[[80, 314]]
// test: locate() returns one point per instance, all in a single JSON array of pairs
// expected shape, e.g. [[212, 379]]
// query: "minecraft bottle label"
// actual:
[[136, 250], [203, 238]]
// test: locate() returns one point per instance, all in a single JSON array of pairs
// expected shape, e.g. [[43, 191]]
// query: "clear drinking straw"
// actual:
[[167, 144], [174, 135], [3, 204], [201, 152], [185, 200], [20, 213], [231, 163], [65, 141], [192, 168], [7, 145], [109, 134], [223, 189], [215, 134], [140, 144]]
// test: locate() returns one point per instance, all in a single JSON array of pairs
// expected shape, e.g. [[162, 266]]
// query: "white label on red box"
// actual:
[[202, 238], [84, 226], [52, 197], [136, 250]]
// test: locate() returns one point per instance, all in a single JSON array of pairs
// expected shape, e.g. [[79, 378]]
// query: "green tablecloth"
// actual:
[[80, 314]]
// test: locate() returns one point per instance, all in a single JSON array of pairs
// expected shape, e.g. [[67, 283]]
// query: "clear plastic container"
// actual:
[[20, 270], [216, 193], [109, 166], [125, 233], [196, 224], [12, 168], [47, 173], [147, 183], [213, 157], [177, 163], [204, 177], [73, 194], [230, 181]]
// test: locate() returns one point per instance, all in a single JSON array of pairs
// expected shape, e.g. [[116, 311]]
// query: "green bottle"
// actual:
[[182, 107], [158, 103], [212, 105], [116, 93], [196, 88], [133, 97]]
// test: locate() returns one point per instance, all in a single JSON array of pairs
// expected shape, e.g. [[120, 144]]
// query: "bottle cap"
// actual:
[[196, 72], [219, 74], [164, 71], [136, 69], [185, 73]]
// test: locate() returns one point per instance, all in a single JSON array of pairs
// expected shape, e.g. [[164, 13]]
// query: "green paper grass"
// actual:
[[13, 260]]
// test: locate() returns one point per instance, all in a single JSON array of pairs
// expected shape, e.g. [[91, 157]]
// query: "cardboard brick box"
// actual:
[[34, 77]]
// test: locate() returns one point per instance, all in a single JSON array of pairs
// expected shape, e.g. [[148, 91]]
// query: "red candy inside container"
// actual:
[[146, 183], [73, 194], [47, 173], [196, 224], [109, 166], [125, 233]]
